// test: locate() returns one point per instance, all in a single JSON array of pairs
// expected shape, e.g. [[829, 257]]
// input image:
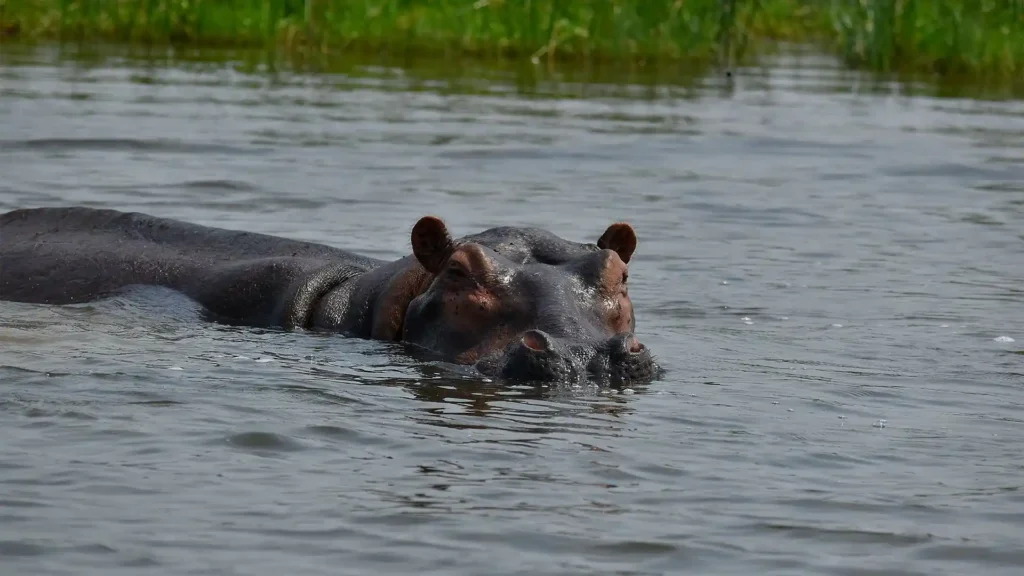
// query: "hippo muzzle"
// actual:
[[539, 357]]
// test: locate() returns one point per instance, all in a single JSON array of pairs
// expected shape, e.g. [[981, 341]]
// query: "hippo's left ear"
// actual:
[[621, 238], [431, 243]]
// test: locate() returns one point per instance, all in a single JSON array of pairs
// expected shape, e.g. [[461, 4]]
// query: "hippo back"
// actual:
[[69, 255]]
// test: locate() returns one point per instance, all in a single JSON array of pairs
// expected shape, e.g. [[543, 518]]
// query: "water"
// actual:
[[830, 268]]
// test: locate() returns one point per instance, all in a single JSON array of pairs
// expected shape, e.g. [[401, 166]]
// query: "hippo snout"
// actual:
[[625, 346], [539, 356], [627, 360]]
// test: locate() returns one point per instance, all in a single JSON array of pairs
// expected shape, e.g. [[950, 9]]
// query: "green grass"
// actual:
[[972, 37], [592, 29], [984, 37]]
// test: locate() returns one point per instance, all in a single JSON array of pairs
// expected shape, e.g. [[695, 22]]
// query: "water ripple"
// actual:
[[117, 144], [826, 264]]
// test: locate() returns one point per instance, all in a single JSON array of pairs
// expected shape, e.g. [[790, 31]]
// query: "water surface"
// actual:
[[830, 269]]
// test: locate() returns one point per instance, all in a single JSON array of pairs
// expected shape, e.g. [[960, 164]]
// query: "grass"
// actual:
[[974, 37], [965, 37], [589, 29]]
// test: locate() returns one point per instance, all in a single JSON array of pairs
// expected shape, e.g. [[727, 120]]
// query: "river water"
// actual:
[[830, 268]]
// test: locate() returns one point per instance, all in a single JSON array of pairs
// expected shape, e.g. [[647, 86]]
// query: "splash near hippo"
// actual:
[[516, 303]]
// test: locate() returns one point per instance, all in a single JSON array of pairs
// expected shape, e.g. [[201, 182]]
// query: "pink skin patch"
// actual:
[[635, 346], [533, 342]]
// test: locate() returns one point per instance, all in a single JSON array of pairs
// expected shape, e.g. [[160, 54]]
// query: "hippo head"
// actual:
[[524, 304]]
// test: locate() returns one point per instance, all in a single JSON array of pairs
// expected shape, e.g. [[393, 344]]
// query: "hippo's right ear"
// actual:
[[621, 238], [431, 243]]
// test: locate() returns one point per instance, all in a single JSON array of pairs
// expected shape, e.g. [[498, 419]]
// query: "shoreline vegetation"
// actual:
[[971, 39]]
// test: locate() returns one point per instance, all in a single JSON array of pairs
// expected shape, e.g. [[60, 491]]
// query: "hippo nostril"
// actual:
[[536, 340], [625, 345], [635, 347]]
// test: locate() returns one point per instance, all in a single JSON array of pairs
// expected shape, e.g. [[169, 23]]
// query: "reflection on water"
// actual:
[[829, 269]]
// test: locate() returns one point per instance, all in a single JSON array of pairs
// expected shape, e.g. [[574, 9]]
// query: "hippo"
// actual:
[[519, 304]]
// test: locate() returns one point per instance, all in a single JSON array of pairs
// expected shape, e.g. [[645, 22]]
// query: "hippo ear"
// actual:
[[431, 243], [621, 238]]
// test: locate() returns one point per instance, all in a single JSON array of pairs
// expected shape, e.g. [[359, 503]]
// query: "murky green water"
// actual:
[[830, 268]]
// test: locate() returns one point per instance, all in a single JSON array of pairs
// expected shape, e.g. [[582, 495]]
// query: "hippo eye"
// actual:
[[456, 271], [625, 276]]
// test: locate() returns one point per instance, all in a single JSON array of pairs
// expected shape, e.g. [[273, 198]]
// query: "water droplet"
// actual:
[[775, 402], [789, 409], [837, 325], [944, 326], [1003, 339], [725, 282], [880, 423], [628, 391], [264, 360], [175, 368], [748, 322], [242, 358], [745, 318], [785, 317]]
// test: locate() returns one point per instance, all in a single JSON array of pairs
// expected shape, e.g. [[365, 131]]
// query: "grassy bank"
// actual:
[[972, 37]]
